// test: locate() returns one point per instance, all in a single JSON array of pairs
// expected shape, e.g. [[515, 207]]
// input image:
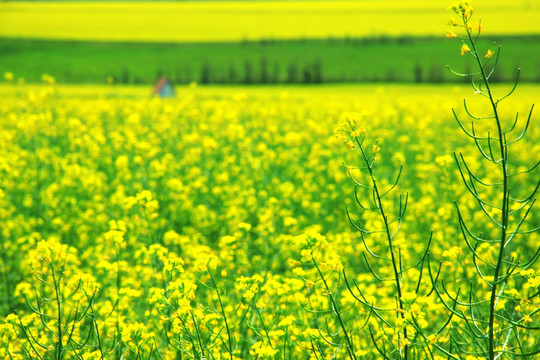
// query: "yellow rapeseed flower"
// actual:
[[489, 54], [95, 355], [464, 49], [288, 320], [405, 342], [360, 353], [306, 255], [451, 34], [357, 132], [244, 226], [534, 282], [263, 351]]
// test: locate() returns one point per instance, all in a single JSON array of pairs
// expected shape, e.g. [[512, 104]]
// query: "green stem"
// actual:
[[504, 211], [198, 332], [189, 335], [27, 335], [263, 325], [118, 284], [95, 325], [59, 346], [350, 348], [223, 314], [285, 344], [390, 245]]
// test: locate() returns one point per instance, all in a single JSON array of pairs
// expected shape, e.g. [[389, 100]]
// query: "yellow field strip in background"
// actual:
[[236, 20], [365, 93]]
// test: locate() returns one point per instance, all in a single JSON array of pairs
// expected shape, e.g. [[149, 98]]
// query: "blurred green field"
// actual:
[[403, 59]]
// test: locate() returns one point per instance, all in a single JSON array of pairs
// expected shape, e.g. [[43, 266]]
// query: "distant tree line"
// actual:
[[265, 72]]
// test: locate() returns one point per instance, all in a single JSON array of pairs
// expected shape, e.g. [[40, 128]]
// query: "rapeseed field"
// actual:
[[146, 228], [212, 21], [328, 222]]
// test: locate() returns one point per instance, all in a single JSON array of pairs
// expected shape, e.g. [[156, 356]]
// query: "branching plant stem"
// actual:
[[350, 348], [504, 208], [229, 335], [389, 237], [58, 295]]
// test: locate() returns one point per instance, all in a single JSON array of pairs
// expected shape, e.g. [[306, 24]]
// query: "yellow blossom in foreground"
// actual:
[[489, 54], [527, 273], [470, 357], [136, 333], [534, 282], [452, 252], [306, 255], [462, 8], [263, 350], [288, 320], [451, 34], [465, 49], [244, 226], [360, 353], [405, 342], [95, 355], [358, 132]]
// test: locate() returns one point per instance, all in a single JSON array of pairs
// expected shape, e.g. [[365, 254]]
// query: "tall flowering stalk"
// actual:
[[398, 332], [61, 298], [495, 322]]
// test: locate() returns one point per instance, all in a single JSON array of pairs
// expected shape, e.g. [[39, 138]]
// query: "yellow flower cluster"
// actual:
[[249, 286], [310, 243], [462, 8]]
